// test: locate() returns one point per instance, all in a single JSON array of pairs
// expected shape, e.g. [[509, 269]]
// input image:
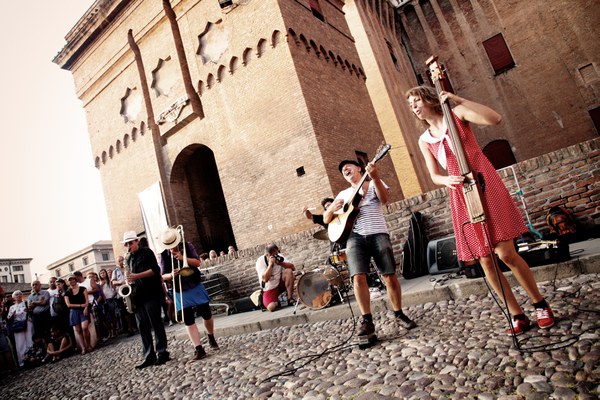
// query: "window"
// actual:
[[393, 55], [315, 7], [19, 278], [595, 115], [498, 53], [105, 257], [71, 267], [17, 268], [4, 279], [57, 273], [84, 260], [588, 74]]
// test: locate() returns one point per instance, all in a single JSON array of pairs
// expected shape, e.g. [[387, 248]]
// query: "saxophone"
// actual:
[[125, 290]]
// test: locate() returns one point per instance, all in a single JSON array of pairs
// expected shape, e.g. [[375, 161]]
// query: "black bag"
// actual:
[[59, 305], [18, 326], [414, 260]]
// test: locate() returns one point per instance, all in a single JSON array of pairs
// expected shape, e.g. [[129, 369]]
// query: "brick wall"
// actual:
[[550, 43], [569, 177]]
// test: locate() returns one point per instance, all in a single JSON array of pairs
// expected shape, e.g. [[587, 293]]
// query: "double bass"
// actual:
[[471, 187]]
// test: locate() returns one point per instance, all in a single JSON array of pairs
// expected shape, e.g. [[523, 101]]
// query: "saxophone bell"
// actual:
[[125, 290]]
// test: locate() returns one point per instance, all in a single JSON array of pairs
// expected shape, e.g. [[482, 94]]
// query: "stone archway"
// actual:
[[199, 201]]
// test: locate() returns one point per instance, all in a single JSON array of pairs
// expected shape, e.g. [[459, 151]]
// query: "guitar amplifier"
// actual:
[[535, 254], [441, 256], [545, 252]]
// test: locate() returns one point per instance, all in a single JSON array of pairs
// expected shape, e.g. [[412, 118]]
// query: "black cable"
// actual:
[[441, 281], [313, 357], [518, 343], [498, 272]]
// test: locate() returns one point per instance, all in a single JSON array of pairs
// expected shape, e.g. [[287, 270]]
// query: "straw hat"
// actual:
[[170, 238], [129, 236]]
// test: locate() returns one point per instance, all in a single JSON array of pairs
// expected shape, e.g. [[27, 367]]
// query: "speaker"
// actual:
[[441, 256], [541, 253], [244, 304]]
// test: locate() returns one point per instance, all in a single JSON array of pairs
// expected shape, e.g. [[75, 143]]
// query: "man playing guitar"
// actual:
[[369, 238]]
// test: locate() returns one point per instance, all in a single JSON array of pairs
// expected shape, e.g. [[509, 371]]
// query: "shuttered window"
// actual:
[[498, 53]]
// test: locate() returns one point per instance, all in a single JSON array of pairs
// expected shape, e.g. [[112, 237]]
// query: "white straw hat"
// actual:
[[129, 236], [170, 238]]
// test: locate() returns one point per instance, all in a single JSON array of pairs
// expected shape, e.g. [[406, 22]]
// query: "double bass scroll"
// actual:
[[471, 188]]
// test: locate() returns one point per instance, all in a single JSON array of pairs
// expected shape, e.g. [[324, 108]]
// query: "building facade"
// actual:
[[242, 113], [278, 99], [92, 258], [15, 270]]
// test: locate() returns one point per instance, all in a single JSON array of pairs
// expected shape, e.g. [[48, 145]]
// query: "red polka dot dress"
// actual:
[[503, 218]]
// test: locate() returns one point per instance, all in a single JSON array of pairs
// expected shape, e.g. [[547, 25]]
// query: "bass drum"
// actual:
[[315, 287]]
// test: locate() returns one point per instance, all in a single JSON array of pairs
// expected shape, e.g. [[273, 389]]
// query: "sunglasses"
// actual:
[[127, 244]]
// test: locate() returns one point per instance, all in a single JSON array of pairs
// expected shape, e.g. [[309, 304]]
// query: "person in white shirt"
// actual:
[[276, 276], [369, 239]]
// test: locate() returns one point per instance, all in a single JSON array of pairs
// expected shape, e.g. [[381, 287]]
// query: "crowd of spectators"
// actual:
[[72, 316]]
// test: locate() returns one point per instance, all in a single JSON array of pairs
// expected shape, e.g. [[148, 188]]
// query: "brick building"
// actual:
[[535, 62], [242, 113]]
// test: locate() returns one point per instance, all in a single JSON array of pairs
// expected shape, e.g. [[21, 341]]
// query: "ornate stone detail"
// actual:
[[131, 105], [213, 42], [172, 113]]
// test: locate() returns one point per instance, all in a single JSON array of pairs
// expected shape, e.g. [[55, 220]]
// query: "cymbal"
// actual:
[[321, 235]]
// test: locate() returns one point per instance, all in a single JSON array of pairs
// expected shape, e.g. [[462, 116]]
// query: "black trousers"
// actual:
[[148, 317], [41, 323]]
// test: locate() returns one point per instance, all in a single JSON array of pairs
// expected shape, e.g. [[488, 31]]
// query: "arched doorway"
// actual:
[[499, 153], [199, 200]]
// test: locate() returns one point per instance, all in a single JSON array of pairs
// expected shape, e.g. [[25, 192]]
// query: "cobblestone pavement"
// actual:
[[458, 351]]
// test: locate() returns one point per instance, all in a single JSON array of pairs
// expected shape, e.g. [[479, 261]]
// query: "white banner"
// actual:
[[154, 215]]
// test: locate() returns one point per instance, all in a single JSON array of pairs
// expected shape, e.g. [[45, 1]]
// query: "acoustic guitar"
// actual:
[[341, 225], [471, 187]]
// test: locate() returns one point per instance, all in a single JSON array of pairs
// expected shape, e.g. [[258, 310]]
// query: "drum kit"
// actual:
[[328, 284]]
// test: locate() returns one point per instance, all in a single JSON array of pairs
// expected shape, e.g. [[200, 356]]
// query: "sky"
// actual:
[[52, 203]]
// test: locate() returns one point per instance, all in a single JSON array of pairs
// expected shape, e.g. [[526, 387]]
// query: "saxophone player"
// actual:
[[118, 279], [147, 292]]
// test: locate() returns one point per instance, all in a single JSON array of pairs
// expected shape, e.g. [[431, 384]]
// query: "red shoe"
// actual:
[[545, 317], [519, 326]]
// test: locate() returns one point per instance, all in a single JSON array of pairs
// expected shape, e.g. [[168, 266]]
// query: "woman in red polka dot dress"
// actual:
[[503, 219]]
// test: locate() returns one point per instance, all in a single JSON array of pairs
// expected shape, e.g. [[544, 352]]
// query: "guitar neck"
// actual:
[[357, 189], [471, 188]]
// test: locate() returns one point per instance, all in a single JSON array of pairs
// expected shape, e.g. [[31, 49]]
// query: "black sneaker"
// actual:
[[366, 328], [147, 362], [213, 342], [406, 322], [162, 358], [199, 354]]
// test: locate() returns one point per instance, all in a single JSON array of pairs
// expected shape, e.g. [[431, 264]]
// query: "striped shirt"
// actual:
[[370, 218]]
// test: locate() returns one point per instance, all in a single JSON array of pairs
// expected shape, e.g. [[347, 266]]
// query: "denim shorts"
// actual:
[[76, 316], [360, 249]]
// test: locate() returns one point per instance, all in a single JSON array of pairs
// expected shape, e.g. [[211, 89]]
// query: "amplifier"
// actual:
[[441, 256], [535, 254], [244, 304]]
